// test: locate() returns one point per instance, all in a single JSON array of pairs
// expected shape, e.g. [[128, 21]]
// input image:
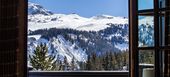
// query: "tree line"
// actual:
[[42, 60]]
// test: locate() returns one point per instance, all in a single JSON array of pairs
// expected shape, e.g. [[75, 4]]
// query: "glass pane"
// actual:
[[165, 65], [145, 4], [162, 30], [146, 57], [145, 31], [169, 21], [168, 30], [146, 63], [161, 3], [162, 62]]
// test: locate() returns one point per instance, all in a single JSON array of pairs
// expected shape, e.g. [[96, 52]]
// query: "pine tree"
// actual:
[[125, 58], [106, 61], [41, 60], [117, 60], [88, 63], [73, 64], [82, 65], [59, 63], [111, 61], [93, 61], [65, 64], [99, 62]]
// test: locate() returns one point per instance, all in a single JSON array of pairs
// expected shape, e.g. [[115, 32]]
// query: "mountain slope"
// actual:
[[146, 31], [74, 36], [37, 9], [39, 18]]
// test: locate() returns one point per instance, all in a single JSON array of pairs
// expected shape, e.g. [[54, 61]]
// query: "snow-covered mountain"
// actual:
[[58, 46], [72, 21], [37, 9], [146, 31], [71, 35], [40, 18]]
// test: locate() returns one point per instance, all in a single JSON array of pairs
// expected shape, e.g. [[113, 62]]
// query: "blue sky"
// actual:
[[145, 4], [86, 8]]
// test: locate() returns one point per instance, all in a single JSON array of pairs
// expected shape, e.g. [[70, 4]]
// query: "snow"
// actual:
[[35, 36], [65, 48], [146, 31], [34, 8], [29, 64], [123, 46], [72, 21], [61, 46], [145, 64], [43, 20], [146, 20]]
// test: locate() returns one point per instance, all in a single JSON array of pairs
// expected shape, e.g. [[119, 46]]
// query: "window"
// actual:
[[150, 18], [78, 36], [140, 50]]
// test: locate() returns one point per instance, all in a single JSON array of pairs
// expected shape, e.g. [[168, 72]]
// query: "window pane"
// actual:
[[163, 61], [169, 22], [168, 30], [145, 4], [161, 3], [146, 63], [146, 57], [145, 31], [162, 30]]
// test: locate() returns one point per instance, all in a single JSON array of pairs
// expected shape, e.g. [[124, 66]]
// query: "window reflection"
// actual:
[[162, 30], [146, 31], [146, 62], [145, 4], [169, 28], [161, 3], [146, 57]]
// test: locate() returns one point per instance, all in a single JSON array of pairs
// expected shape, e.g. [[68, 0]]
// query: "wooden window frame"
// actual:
[[65, 74], [133, 26]]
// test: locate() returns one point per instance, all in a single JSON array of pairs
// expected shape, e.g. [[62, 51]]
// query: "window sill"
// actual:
[[78, 74]]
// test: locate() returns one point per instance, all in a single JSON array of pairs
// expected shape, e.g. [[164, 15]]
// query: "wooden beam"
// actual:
[[22, 50], [133, 32]]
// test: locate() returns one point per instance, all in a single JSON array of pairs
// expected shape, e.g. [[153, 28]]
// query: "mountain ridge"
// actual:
[[71, 35], [73, 21]]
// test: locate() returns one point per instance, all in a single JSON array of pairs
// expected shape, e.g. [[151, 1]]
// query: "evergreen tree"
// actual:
[[73, 67], [111, 61], [146, 57], [82, 65], [93, 61], [99, 62], [41, 60], [118, 60], [125, 58], [59, 63], [88, 63], [106, 61], [65, 64]]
